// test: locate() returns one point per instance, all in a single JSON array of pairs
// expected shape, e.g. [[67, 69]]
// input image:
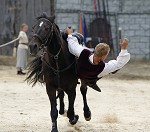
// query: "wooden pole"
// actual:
[[120, 36]]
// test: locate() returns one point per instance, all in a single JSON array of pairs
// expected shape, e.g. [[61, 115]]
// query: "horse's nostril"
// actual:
[[35, 46]]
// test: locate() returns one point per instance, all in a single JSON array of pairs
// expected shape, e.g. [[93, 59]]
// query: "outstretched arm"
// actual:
[[121, 60], [74, 47]]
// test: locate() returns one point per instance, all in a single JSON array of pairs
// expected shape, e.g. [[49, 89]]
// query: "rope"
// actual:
[[9, 42]]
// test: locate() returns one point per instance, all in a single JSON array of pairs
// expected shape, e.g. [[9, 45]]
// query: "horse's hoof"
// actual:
[[61, 112], [64, 112], [54, 127], [87, 115], [54, 130], [74, 121]]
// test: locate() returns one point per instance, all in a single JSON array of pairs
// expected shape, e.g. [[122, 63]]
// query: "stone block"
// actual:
[[124, 27], [135, 39], [134, 27], [136, 51], [145, 27], [140, 21], [144, 39], [139, 32], [141, 57], [130, 33], [139, 45], [114, 4]]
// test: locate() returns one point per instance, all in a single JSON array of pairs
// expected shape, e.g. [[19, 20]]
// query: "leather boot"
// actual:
[[20, 73], [95, 87]]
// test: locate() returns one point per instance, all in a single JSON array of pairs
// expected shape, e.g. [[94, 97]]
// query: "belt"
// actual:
[[24, 43]]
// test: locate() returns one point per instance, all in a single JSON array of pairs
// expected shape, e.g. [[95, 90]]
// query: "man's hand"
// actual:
[[124, 44], [69, 30]]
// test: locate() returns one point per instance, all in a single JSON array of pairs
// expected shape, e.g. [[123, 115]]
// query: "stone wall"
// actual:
[[15, 12], [133, 16]]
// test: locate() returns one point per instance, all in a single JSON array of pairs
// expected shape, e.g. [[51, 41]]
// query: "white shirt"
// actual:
[[111, 66], [23, 39]]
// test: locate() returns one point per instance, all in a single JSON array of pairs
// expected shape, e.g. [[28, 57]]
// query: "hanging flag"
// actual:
[[94, 3], [82, 26]]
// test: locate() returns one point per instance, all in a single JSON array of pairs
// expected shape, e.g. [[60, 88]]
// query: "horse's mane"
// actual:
[[35, 74]]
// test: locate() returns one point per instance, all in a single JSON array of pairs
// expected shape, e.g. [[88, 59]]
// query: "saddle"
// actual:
[[79, 36]]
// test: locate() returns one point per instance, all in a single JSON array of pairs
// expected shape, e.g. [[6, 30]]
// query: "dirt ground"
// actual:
[[122, 106]]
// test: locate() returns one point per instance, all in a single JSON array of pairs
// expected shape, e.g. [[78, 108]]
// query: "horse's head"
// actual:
[[42, 32]]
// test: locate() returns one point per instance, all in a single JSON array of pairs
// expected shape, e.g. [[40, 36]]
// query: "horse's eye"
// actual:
[[35, 38], [47, 28]]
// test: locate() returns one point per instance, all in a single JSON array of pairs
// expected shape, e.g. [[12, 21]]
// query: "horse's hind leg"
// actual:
[[54, 112], [87, 112], [70, 113], [61, 100]]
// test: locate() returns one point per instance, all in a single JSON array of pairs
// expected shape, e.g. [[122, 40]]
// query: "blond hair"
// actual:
[[101, 49], [23, 25]]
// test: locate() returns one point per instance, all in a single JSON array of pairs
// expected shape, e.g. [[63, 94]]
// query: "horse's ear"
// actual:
[[52, 18], [43, 15]]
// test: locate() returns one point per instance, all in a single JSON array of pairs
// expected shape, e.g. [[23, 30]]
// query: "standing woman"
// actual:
[[22, 51]]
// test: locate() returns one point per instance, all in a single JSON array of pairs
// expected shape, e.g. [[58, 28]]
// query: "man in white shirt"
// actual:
[[91, 66]]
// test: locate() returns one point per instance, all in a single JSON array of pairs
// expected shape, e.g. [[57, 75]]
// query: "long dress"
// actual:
[[22, 51]]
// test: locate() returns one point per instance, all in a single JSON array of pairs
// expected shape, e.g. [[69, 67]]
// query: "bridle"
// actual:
[[47, 39], [43, 47], [49, 34]]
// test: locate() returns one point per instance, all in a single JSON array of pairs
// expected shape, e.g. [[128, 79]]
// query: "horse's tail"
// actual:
[[35, 73]]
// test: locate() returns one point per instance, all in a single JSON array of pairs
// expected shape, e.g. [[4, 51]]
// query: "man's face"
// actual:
[[101, 58], [104, 57]]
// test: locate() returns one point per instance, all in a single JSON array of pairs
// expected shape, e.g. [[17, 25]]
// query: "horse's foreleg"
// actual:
[[61, 100], [70, 113], [87, 112], [54, 111]]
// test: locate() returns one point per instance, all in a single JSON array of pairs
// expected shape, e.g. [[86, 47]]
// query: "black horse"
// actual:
[[55, 67]]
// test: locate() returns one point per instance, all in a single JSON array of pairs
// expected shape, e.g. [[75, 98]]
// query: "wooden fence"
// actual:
[[15, 12]]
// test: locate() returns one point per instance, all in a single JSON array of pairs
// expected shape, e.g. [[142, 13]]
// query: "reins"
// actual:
[[49, 34], [43, 47], [58, 70]]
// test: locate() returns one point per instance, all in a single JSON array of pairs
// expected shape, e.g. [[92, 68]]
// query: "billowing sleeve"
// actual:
[[74, 47], [117, 64], [20, 35]]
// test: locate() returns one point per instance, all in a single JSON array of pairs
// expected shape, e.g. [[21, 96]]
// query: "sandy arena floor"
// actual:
[[122, 106]]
